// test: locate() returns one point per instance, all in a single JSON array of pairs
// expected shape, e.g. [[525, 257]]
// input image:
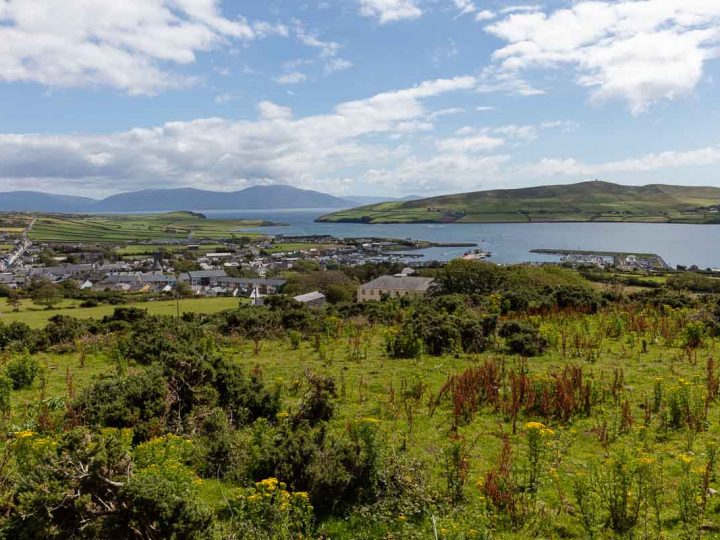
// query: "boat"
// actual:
[[476, 254]]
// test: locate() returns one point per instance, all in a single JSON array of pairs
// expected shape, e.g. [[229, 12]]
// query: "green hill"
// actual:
[[584, 201]]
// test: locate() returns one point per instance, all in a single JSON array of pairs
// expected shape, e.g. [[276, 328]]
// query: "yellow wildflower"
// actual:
[[535, 425]]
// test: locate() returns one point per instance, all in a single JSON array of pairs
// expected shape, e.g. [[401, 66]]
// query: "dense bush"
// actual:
[[337, 470], [22, 370], [436, 332], [522, 338], [84, 485], [14, 333], [141, 402], [63, 329]]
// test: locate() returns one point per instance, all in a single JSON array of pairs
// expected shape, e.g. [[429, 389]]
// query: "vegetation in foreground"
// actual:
[[513, 403], [585, 201]]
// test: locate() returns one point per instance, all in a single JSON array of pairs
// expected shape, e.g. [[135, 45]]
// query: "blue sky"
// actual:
[[356, 97]]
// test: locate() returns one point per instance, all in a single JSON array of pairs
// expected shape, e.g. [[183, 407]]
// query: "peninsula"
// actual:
[[597, 201]]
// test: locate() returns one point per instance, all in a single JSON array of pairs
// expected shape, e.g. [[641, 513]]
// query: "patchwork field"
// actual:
[[183, 226]]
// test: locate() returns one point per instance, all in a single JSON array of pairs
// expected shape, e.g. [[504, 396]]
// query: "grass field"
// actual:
[[647, 350], [288, 247], [36, 317], [150, 249], [587, 201], [136, 228]]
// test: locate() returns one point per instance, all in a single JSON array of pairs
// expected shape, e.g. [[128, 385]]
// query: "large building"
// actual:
[[393, 287]]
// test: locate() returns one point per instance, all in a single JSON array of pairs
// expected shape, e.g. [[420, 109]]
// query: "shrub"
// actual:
[[6, 386], [337, 470], [523, 338], [22, 370], [162, 502], [269, 511], [404, 343], [14, 333], [63, 329], [694, 335], [65, 486], [140, 402], [317, 404]]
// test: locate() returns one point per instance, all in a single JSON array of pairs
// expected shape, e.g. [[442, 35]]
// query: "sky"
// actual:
[[357, 97]]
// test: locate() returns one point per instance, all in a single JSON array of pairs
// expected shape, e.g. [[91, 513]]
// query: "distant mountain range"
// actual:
[[256, 197], [584, 201]]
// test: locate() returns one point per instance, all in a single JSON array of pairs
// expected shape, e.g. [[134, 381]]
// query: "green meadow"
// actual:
[[36, 316], [174, 226]]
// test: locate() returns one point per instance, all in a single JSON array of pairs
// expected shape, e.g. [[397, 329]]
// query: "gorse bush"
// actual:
[[437, 332], [22, 370], [523, 338]]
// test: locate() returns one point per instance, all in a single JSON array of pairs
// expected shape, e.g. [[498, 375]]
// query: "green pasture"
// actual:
[[136, 228], [36, 316], [289, 247]]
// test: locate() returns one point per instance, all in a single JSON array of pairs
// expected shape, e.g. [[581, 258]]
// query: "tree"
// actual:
[[45, 294], [469, 277], [14, 299], [183, 289]]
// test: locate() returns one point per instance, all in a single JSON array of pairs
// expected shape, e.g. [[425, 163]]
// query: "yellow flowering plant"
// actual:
[[270, 510]]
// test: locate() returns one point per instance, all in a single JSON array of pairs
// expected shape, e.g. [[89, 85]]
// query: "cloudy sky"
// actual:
[[356, 97]]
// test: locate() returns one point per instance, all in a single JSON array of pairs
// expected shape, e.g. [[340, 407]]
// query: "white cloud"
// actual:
[[130, 45], [294, 77], [271, 111], [475, 143], [465, 7], [386, 11], [337, 64], [446, 173], [468, 7], [328, 50], [553, 167], [221, 99], [640, 51], [484, 15], [524, 133], [523, 8], [219, 153]]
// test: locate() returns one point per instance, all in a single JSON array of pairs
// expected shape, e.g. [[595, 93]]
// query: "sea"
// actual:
[[510, 242]]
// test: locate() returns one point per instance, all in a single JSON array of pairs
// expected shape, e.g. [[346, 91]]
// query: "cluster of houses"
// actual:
[[153, 275]]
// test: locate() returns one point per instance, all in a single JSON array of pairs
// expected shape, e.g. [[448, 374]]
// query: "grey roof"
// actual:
[[309, 297], [399, 283], [10, 278], [137, 278], [121, 278], [157, 278], [62, 270], [200, 274], [253, 281]]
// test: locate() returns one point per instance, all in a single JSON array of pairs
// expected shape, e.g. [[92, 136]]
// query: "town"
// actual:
[[248, 267]]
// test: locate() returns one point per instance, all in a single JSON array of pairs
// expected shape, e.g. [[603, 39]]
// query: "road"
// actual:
[[19, 250]]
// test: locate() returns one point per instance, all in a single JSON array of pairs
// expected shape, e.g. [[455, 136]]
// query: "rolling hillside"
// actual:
[[168, 200], [584, 201]]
